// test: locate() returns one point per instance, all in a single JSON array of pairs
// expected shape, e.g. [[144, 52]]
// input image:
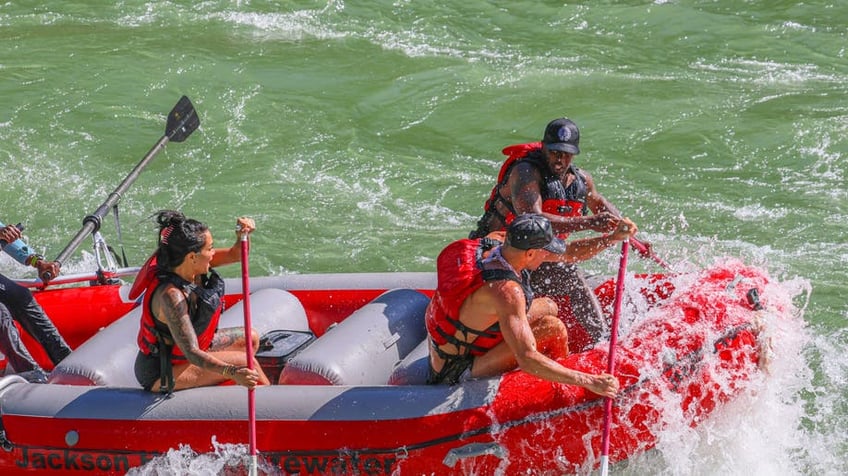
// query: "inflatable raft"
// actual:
[[349, 354]]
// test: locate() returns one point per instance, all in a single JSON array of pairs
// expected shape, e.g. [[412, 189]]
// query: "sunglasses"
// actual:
[[559, 155]]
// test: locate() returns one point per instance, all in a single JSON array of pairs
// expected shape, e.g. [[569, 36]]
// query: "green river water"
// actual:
[[365, 136]]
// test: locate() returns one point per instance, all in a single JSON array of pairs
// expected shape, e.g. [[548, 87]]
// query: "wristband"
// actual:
[[33, 260]]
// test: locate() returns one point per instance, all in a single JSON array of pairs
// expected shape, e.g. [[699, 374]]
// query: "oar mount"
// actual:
[[182, 121]]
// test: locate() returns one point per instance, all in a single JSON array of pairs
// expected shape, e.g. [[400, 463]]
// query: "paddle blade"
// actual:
[[182, 121]]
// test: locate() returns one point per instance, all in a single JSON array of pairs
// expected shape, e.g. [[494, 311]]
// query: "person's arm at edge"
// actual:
[[17, 249]]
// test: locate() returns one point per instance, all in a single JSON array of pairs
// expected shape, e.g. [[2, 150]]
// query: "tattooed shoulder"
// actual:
[[170, 304]]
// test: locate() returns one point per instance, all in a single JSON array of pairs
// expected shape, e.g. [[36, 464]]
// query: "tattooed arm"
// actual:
[[170, 307]]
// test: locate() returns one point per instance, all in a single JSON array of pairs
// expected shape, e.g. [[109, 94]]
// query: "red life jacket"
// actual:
[[461, 271], [204, 311], [556, 199]]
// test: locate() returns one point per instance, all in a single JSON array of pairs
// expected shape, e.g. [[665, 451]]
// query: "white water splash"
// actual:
[[226, 459], [758, 433]]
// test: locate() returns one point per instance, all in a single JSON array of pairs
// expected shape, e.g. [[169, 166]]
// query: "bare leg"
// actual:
[[567, 280], [542, 307], [551, 340]]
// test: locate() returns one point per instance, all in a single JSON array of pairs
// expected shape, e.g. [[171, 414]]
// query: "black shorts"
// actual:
[[147, 370], [456, 369]]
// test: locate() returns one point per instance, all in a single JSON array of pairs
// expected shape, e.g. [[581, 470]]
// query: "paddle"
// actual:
[[616, 312], [646, 252], [248, 336], [182, 121]]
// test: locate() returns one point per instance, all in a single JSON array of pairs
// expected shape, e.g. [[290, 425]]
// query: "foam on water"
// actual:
[[225, 460], [756, 433]]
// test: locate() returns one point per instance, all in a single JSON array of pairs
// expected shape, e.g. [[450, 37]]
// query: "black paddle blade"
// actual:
[[182, 121]]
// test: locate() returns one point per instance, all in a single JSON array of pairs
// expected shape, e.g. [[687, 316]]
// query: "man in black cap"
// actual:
[[483, 320], [540, 178]]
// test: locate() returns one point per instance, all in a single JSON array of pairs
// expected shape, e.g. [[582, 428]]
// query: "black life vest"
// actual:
[[557, 199], [205, 305]]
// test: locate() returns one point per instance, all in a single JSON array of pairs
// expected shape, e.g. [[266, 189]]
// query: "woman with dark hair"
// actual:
[[180, 345]]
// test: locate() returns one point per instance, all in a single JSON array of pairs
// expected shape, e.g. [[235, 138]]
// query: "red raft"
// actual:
[[349, 353]]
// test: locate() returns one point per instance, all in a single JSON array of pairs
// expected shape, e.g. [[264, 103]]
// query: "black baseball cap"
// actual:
[[563, 135], [532, 231]]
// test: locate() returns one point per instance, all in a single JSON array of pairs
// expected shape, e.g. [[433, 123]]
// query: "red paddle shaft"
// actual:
[[616, 313], [248, 337], [643, 250]]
